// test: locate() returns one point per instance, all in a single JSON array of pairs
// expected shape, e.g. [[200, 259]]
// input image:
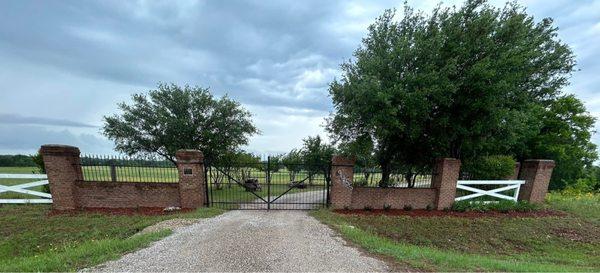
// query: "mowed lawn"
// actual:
[[31, 240], [565, 243]]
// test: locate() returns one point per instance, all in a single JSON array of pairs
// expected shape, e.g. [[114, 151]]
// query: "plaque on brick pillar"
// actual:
[[191, 178]]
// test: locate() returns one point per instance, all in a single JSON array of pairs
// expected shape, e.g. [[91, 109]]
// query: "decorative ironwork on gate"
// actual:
[[270, 184]]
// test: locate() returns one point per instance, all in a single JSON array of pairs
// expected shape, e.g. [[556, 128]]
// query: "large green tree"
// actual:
[[461, 82], [171, 117], [292, 162], [565, 130], [316, 156]]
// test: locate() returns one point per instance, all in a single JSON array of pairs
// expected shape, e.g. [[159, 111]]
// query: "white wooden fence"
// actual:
[[471, 186], [23, 188]]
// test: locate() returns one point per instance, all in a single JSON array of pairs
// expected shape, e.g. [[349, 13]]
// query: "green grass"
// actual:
[[19, 170], [584, 205], [131, 174], [570, 243], [30, 240], [237, 193], [83, 255]]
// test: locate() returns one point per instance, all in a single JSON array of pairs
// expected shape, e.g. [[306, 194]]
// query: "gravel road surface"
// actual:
[[249, 241]]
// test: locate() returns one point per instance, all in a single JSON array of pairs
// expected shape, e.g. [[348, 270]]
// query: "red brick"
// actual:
[[127, 194], [342, 169], [537, 174], [70, 192], [397, 198], [63, 168], [192, 191], [444, 179]]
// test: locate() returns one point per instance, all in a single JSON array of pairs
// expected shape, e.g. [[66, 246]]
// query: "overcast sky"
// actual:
[[65, 64]]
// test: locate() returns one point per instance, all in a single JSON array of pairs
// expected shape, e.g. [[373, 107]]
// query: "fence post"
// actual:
[[342, 173], [444, 179], [536, 173], [190, 165], [63, 168], [113, 172]]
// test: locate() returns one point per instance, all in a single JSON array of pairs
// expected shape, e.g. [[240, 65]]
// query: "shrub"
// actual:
[[429, 207], [368, 208], [490, 167], [408, 207], [500, 206], [387, 207]]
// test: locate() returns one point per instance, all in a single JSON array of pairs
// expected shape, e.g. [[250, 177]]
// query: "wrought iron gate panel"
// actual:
[[267, 185]]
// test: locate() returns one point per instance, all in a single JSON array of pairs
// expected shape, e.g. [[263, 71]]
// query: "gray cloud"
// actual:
[[27, 139], [71, 61], [18, 119]]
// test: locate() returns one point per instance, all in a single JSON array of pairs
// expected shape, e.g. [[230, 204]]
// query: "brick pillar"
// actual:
[[536, 173], [63, 168], [444, 180], [342, 173], [192, 191]]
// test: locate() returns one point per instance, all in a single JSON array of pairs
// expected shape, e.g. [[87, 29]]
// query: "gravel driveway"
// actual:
[[302, 200], [249, 241]]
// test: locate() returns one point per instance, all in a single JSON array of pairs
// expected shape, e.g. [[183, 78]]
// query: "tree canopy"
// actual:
[[171, 117], [565, 130], [462, 82]]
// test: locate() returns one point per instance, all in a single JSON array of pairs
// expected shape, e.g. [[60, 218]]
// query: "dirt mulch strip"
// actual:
[[440, 213]]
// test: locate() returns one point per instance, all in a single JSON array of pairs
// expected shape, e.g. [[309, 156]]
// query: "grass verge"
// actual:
[[569, 243], [83, 255], [32, 241]]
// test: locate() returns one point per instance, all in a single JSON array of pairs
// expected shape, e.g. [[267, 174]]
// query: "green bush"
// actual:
[[39, 162], [490, 167], [501, 206]]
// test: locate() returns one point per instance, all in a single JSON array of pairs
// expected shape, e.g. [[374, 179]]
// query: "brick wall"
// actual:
[[70, 192], [397, 198], [440, 196], [127, 195]]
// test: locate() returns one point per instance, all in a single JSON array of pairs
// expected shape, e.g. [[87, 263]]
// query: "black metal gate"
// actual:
[[271, 184]]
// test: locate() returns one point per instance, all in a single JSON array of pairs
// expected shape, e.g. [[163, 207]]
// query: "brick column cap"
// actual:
[[340, 160], [450, 159], [189, 156], [539, 160], [545, 162], [59, 150]]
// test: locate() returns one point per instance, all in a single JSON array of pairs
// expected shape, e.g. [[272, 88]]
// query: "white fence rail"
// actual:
[[23, 189], [471, 186]]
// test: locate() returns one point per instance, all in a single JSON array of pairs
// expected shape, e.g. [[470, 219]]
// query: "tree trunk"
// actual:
[[386, 169], [410, 179]]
